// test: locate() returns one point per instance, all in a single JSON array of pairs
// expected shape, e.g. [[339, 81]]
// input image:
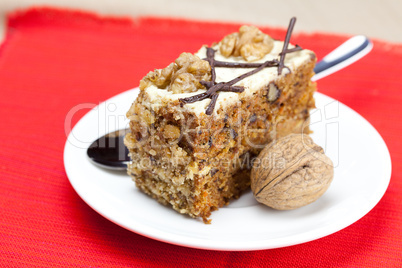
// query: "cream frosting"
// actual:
[[159, 97]]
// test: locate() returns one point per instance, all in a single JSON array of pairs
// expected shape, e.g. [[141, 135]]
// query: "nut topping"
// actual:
[[181, 76], [249, 42]]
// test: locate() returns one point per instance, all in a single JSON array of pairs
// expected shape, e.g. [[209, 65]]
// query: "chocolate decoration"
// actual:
[[210, 59], [241, 77], [232, 89], [195, 98], [285, 45], [211, 105], [296, 48], [225, 88], [243, 64], [213, 88]]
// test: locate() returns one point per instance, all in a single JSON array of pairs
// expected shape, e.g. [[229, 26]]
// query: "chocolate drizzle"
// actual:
[[213, 88]]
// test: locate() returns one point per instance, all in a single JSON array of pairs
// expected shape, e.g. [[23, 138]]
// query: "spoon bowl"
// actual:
[[109, 151]]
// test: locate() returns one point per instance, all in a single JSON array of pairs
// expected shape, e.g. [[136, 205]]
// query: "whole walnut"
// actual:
[[291, 172]]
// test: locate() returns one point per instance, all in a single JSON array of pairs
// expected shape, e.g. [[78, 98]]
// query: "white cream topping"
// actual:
[[159, 97]]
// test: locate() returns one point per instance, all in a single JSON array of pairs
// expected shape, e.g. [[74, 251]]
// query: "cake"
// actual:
[[197, 124]]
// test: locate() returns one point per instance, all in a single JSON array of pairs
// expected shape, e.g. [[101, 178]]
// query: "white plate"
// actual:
[[362, 173]]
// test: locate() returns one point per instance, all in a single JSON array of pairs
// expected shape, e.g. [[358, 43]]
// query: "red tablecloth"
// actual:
[[52, 60]]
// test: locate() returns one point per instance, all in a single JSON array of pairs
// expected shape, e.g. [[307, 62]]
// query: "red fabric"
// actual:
[[52, 60]]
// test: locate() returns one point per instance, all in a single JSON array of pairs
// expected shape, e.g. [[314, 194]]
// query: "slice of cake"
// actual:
[[198, 123]]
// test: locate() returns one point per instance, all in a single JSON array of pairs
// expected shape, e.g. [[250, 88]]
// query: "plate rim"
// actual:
[[192, 242]]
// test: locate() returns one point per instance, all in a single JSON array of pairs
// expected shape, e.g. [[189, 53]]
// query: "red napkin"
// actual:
[[52, 60]]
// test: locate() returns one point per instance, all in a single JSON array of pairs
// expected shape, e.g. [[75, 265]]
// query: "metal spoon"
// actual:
[[109, 151], [349, 52]]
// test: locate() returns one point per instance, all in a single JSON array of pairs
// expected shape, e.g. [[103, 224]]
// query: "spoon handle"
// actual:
[[352, 50]]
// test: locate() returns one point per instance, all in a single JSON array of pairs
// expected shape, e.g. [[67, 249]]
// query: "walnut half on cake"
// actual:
[[197, 124]]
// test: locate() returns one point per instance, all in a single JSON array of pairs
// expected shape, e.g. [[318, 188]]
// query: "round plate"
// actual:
[[362, 174]]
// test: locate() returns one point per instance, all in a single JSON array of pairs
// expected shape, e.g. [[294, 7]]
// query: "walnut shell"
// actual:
[[291, 172]]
